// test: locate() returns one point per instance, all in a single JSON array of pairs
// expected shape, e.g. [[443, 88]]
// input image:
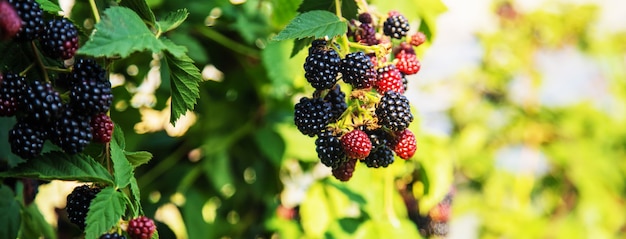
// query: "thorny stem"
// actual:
[[94, 9], [40, 62]]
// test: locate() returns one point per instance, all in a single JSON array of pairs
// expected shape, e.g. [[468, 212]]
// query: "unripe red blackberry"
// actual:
[[356, 144], [311, 115], [357, 70], [59, 39], [329, 149], [71, 131], [32, 19], [42, 102], [12, 87], [404, 144], [393, 111], [26, 139], [321, 66], [78, 203], [418, 39], [407, 63], [101, 128], [10, 21], [141, 228], [396, 25], [345, 170], [389, 79]]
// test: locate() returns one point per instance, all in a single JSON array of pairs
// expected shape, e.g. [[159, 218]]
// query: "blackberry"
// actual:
[[366, 34], [329, 149], [378, 137], [42, 102], [407, 63], [26, 139], [344, 171], [396, 25], [59, 39], [418, 39], [312, 115], [78, 202], [32, 19], [11, 92], [71, 131], [84, 68], [101, 128], [393, 111], [357, 70], [404, 144], [356, 144], [141, 228], [91, 92], [10, 21], [380, 157], [389, 78], [321, 66], [405, 82], [112, 236], [337, 100], [365, 18]]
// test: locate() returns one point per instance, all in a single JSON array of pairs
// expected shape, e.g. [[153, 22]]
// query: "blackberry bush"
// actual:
[[59, 39], [78, 202]]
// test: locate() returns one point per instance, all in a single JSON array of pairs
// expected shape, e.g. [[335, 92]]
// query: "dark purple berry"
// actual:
[[71, 131], [59, 39], [78, 203], [312, 115], [32, 19]]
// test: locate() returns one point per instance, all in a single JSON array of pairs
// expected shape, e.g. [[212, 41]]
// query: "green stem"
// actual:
[[338, 8], [226, 42], [27, 69], [94, 9], [57, 69], [40, 62]]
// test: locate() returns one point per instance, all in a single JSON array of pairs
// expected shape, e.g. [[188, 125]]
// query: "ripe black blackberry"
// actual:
[[345, 170], [59, 39], [42, 102], [357, 70], [91, 92], [379, 157], [11, 91], [337, 100], [71, 131], [321, 66], [112, 236], [312, 115], [379, 137], [26, 139], [32, 19], [78, 202], [396, 25], [393, 111], [329, 149]]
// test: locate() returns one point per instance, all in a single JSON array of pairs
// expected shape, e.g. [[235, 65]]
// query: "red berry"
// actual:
[[389, 79], [404, 144], [356, 144], [141, 228], [418, 38], [101, 128], [407, 63], [10, 21]]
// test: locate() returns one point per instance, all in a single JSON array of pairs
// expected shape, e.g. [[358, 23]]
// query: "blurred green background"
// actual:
[[520, 107]]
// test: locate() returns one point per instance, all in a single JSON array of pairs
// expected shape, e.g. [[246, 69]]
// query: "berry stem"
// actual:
[[57, 69], [94, 9], [338, 8], [40, 62], [27, 69]]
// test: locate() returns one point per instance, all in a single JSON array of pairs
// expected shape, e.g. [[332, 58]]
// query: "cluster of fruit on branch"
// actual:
[[370, 123]]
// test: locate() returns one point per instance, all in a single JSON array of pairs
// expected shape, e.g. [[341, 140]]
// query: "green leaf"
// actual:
[[61, 166], [120, 33], [172, 20], [271, 144], [10, 217], [105, 211], [138, 158], [299, 44], [49, 6], [315, 211], [171, 47], [34, 225], [217, 169], [123, 170], [118, 136], [349, 9], [317, 24], [141, 8], [136, 195], [184, 80]]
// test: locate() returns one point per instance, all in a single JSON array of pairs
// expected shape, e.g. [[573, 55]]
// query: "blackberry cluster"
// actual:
[[396, 25], [357, 70], [43, 115], [31, 17], [59, 39], [321, 66], [394, 111], [78, 202], [369, 122]]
